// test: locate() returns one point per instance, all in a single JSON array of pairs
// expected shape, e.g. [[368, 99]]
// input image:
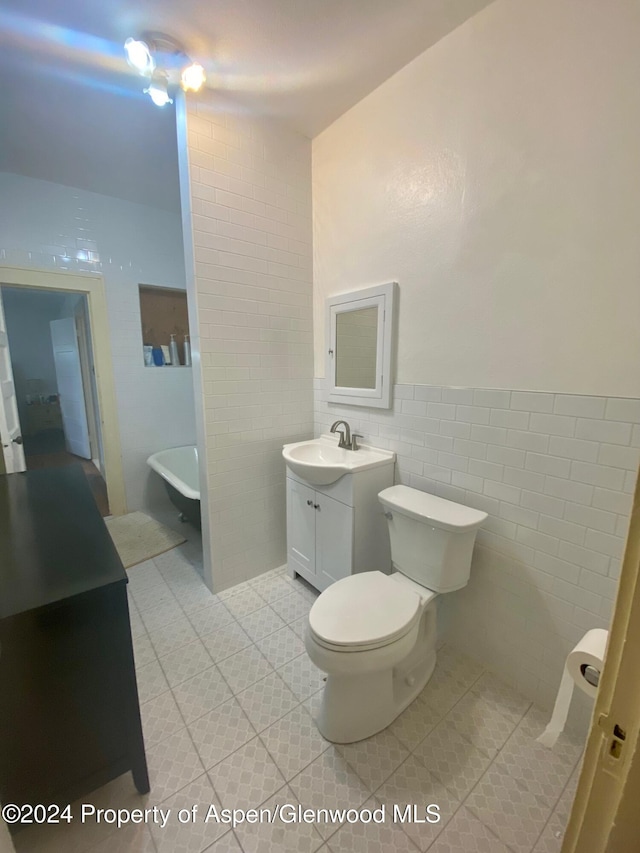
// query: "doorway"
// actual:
[[61, 401], [49, 341]]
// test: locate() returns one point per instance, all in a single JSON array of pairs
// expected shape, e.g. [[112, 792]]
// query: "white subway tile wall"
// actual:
[[53, 227], [556, 474], [250, 185]]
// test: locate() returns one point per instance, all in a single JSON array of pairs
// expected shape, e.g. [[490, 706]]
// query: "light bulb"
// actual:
[[139, 56], [157, 91], [193, 77]]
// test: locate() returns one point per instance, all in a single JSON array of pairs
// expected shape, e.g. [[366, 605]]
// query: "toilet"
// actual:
[[373, 634]]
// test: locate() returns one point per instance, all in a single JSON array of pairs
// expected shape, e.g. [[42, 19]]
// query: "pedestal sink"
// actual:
[[320, 461]]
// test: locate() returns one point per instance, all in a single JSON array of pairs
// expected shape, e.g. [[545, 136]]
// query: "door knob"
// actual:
[[309, 503], [17, 439]]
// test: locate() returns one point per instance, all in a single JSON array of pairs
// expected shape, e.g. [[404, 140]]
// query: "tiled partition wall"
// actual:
[[556, 474], [250, 197], [49, 226]]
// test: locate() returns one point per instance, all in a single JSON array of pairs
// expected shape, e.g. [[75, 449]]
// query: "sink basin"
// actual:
[[321, 462]]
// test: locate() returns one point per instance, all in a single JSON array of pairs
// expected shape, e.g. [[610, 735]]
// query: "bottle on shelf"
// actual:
[[187, 351], [173, 351]]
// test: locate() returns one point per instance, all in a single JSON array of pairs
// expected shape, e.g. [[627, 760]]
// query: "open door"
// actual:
[[66, 357], [10, 434]]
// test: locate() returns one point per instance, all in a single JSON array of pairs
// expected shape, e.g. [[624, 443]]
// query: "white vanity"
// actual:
[[335, 523]]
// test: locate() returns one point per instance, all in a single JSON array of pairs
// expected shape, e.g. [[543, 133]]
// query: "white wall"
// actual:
[[495, 177], [49, 226], [248, 183]]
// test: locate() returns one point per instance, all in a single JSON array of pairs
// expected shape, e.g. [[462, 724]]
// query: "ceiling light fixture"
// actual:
[[161, 59]]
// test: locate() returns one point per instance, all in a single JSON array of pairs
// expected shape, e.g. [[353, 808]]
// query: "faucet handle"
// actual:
[[354, 440]]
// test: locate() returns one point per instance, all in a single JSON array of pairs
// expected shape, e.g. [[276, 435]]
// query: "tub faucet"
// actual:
[[345, 434]]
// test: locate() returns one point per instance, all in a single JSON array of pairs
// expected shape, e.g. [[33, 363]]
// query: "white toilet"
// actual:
[[375, 634]]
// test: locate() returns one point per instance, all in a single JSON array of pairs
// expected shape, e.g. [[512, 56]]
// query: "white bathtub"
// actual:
[[178, 466]]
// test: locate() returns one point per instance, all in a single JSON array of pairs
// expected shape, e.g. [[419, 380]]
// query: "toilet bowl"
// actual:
[[375, 634]]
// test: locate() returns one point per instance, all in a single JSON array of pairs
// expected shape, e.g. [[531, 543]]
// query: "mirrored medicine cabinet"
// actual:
[[359, 342]]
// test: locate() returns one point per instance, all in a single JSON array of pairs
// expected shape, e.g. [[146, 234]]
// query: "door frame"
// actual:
[[93, 288]]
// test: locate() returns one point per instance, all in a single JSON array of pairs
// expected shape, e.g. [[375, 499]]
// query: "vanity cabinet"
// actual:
[[336, 530]]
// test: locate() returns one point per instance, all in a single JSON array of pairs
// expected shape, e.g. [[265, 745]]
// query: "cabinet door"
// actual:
[[301, 527], [334, 540]]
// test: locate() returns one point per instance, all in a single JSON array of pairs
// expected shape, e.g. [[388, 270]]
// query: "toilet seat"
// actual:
[[364, 611]]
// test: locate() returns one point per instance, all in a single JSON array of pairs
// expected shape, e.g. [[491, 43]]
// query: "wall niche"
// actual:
[[163, 312]]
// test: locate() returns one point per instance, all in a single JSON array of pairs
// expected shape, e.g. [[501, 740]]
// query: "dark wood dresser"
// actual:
[[69, 713]]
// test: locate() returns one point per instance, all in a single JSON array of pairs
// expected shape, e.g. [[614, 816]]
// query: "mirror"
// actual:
[[356, 350], [359, 346]]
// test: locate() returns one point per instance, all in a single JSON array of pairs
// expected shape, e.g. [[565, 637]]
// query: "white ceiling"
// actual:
[[73, 113]]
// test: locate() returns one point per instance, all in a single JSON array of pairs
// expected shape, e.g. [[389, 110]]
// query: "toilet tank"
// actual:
[[431, 538]]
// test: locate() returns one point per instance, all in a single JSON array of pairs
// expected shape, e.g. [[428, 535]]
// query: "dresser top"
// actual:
[[54, 543]]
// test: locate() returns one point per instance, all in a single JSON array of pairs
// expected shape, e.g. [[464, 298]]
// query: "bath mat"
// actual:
[[138, 537]]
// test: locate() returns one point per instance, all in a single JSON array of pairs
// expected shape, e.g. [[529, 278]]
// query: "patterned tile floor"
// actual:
[[227, 697]]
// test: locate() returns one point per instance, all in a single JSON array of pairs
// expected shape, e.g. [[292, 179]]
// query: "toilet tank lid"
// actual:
[[431, 508]]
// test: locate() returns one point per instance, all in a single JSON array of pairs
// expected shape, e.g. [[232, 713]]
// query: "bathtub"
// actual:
[[178, 467]]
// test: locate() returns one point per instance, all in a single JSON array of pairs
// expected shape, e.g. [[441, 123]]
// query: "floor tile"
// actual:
[[225, 641], [143, 651], [194, 597], [152, 596], [329, 783], [281, 647], [194, 835], [220, 732], [515, 815], [186, 662], [261, 623], [161, 614], [248, 601], [246, 778], [227, 844], [459, 665], [137, 625], [501, 697], [542, 771], [236, 589], [299, 626], [266, 701], [291, 607], [550, 840], [133, 838], [479, 722], [202, 693], [412, 784], [465, 834], [443, 691], [151, 681], [302, 676], [210, 618], [371, 837], [375, 758], [172, 765], [160, 718], [415, 723], [273, 588], [279, 836], [452, 759], [294, 742], [245, 668], [173, 636]]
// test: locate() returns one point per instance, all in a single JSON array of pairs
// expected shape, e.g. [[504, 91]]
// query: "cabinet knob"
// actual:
[[309, 503], [316, 506]]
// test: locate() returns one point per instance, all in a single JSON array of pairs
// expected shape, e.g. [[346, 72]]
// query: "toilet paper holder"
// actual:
[[590, 674]]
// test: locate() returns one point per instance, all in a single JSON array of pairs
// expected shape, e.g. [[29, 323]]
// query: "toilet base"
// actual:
[[356, 706]]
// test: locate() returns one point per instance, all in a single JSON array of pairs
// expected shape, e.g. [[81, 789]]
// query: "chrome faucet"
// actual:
[[345, 433]]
